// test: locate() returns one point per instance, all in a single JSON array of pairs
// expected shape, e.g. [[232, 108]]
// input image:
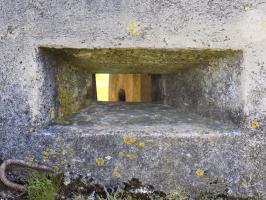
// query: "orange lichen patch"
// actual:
[[141, 144], [100, 161], [129, 139], [255, 124], [200, 172]]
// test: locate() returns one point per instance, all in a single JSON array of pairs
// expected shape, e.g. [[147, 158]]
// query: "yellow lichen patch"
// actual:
[[45, 160], [51, 113], [200, 172], [121, 154], [213, 137], [134, 27], [65, 99], [100, 161], [31, 130], [58, 139], [62, 121], [48, 152], [30, 158], [255, 124], [141, 144], [247, 7], [56, 168], [116, 172], [131, 156], [262, 24], [62, 163], [45, 156], [129, 139]]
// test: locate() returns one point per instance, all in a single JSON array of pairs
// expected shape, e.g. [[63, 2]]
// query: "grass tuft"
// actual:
[[42, 186], [178, 194]]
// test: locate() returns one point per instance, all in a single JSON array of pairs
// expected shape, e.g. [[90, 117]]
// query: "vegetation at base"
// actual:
[[43, 186], [121, 194], [178, 194], [116, 195], [212, 196]]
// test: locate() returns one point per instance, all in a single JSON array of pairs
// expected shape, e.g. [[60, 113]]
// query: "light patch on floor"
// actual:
[[102, 87]]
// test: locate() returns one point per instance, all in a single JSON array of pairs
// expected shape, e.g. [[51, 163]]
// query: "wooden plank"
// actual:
[[137, 87]]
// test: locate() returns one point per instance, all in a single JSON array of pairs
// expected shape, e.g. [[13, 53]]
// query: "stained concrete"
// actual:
[[138, 60], [26, 97]]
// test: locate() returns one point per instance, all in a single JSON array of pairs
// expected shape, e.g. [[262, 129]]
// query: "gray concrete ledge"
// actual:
[[195, 153]]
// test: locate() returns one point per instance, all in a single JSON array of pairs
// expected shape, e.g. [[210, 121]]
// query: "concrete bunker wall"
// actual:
[[26, 98]]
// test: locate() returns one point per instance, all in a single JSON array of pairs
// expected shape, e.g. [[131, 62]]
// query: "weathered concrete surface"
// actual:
[[26, 25], [138, 60], [67, 87], [155, 116], [114, 142], [212, 90]]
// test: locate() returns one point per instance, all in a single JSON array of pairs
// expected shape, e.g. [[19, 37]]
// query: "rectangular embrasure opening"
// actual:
[[124, 87], [202, 81]]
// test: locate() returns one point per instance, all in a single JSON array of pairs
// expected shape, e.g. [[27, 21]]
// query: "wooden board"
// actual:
[[137, 87]]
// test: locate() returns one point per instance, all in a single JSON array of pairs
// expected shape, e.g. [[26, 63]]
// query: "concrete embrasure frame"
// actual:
[[206, 81]]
